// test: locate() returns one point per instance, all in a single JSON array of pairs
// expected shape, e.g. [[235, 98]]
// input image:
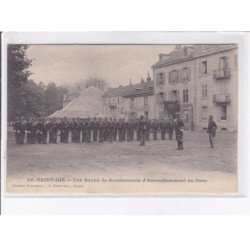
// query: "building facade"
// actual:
[[198, 81], [140, 101], [114, 101]]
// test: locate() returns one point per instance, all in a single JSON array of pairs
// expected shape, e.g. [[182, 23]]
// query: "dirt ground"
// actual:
[[124, 168]]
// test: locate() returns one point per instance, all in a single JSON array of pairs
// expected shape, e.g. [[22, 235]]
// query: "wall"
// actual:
[[194, 86]]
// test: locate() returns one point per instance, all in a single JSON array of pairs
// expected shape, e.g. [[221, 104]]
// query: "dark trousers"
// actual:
[[83, 135], [88, 136], [115, 135], [154, 134], [19, 137], [101, 139], [142, 138], [211, 140], [51, 136], [138, 135], [120, 135], [95, 133], [61, 136], [170, 135], [163, 133]]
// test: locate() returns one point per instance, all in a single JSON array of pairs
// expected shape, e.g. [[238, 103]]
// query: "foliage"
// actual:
[[25, 97], [96, 82], [18, 73]]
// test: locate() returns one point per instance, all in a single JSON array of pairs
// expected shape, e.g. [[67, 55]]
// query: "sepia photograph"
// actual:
[[122, 119]]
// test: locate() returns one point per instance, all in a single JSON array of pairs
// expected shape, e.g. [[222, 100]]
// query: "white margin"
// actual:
[[137, 205]]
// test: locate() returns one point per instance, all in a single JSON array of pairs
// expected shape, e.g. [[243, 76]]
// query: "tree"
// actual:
[[96, 82], [34, 100], [53, 97], [18, 73]]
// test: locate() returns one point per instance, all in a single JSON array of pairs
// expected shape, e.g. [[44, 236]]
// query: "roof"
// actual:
[[119, 91], [195, 51], [87, 104], [141, 89]]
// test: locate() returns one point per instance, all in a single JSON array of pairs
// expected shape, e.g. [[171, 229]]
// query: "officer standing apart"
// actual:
[[211, 130], [179, 128], [142, 130]]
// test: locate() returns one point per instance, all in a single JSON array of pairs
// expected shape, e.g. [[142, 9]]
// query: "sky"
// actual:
[[70, 64]]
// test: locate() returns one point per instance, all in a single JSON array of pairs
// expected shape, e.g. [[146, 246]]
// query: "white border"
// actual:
[[131, 205]]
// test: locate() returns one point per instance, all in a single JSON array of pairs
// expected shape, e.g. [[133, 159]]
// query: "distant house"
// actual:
[[140, 100], [113, 101]]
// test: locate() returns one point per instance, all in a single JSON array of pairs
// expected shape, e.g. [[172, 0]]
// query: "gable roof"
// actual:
[[179, 55], [119, 91], [141, 89]]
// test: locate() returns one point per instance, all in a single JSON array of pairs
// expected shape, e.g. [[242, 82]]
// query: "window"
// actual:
[[223, 62], [203, 68], [205, 47], [223, 112], [132, 102], [160, 98], [185, 95], [204, 90], [204, 112], [160, 78], [145, 100], [118, 100], [185, 74], [173, 76]]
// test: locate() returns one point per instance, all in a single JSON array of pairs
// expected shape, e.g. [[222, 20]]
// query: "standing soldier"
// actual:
[[138, 130], [30, 131], [211, 130], [50, 126], [115, 130], [101, 129], [105, 129], [111, 129], [54, 129], [154, 127], [142, 130], [95, 129], [66, 130], [119, 127], [133, 124], [19, 131], [61, 126], [128, 128], [83, 128], [124, 129], [163, 128], [39, 131], [148, 128], [78, 129], [170, 129], [88, 130], [45, 130], [179, 128], [73, 126]]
